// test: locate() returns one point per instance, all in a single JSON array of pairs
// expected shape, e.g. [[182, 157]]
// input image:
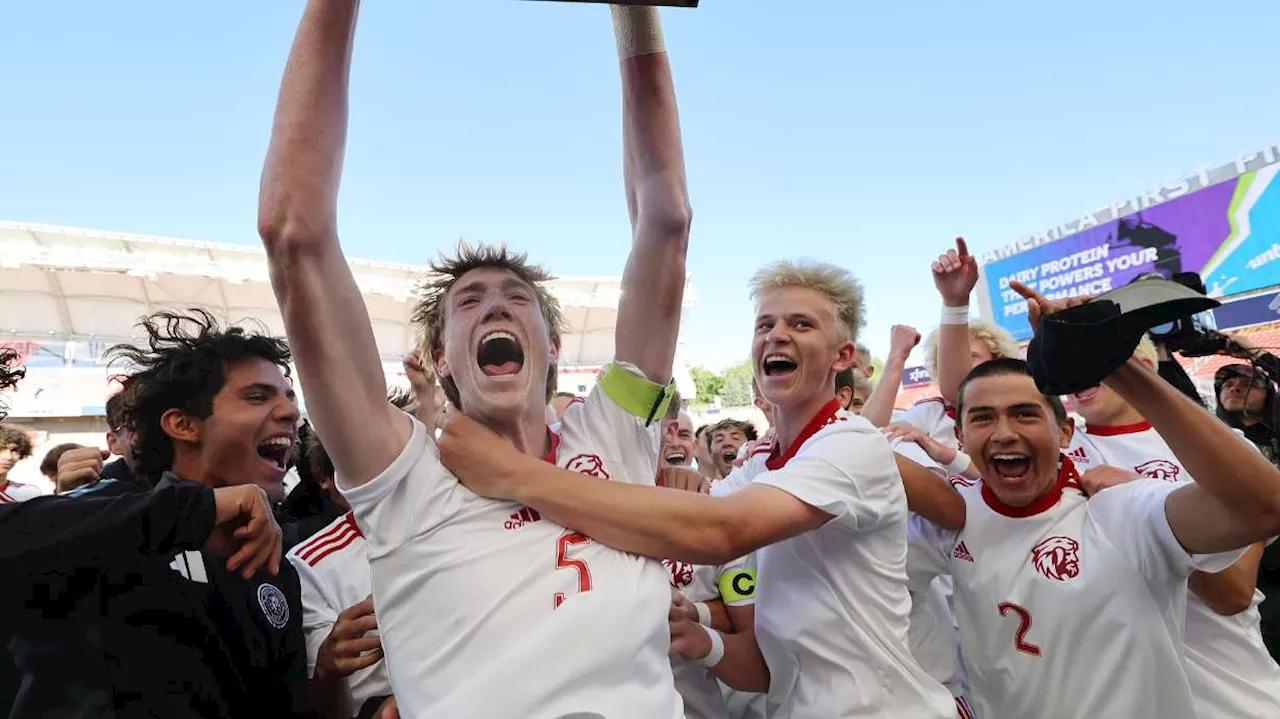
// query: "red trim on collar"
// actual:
[[1113, 430], [1068, 478], [824, 417], [553, 453]]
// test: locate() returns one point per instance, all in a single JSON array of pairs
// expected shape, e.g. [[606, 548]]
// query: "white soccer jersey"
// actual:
[[832, 606], [735, 583], [488, 610], [933, 635], [936, 417], [333, 568], [1067, 607], [14, 492], [1232, 675]]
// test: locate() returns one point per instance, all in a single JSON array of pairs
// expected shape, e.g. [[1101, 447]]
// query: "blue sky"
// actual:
[[868, 134]]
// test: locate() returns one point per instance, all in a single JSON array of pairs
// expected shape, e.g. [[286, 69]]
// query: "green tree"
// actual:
[[709, 385], [737, 385]]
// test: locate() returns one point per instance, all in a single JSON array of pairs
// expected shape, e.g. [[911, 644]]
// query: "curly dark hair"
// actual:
[[181, 365], [11, 371], [429, 311], [16, 438]]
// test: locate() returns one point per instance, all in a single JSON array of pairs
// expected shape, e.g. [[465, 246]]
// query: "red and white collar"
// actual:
[[1068, 478], [1103, 430], [825, 416]]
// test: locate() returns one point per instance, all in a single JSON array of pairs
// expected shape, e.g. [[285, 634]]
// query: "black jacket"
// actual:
[[112, 611]]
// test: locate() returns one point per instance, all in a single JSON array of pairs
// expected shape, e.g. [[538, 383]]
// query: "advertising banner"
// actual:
[[1228, 232]]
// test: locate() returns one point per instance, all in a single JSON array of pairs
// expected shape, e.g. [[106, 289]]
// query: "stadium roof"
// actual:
[[60, 283]]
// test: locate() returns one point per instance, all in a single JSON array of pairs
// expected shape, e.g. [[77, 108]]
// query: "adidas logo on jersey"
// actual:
[[1079, 456], [521, 518], [962, 552]]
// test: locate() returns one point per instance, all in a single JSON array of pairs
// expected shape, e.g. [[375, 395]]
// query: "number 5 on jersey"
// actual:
[[1020, 638], [564, 547]]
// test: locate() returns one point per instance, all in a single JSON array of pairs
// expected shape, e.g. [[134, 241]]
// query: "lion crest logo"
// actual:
[[588, 464], [1057, 558], [681, 572], [1159, 469]]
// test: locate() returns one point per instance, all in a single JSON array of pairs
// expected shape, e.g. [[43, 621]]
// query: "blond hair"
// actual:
[[1146, 351], [997, 339], [835, 283], [429, 311]]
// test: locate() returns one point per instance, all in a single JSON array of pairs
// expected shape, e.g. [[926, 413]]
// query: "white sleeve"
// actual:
[[628, 448], [318, 615], [913, 452], [845, 471], [736, 581], [1132, 517], [929, 549], [737, 479], [411, 497]]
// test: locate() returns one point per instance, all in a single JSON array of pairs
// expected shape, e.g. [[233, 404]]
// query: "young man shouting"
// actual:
[[123, 600], [487, 608], [1070, 607], [825, 507]]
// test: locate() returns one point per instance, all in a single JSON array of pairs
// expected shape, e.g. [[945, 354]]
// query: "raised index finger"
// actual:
[[962, 248]]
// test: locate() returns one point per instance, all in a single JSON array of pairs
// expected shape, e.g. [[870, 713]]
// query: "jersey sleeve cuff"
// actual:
[[382, 485], [627, 386]]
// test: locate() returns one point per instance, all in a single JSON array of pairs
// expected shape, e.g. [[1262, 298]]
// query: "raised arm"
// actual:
[[879, 407], [954, 274], [657, 197], [1235, 500], [324, 315]]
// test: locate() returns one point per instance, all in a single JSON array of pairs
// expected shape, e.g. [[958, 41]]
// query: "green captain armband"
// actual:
[[635, 394], [738, 586]]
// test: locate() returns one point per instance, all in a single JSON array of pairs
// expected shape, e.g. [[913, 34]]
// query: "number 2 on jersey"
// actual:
[[567, 541], [1020, 638]]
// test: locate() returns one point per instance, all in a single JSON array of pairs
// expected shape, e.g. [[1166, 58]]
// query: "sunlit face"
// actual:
[[249, 436], [497, 347], [1010, 431], [979, 352], [798, 347], [1243, 394], [725, 445], [678, 445]]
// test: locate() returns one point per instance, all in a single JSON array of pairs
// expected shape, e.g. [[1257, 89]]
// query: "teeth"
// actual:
[[1008, 456], [280, 442], [776, 358], [498, 335]]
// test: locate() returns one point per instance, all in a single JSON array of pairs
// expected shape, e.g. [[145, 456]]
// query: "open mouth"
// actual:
[[778, 365], [500, 354], [728, 457], [676, 458], [275, 451], [1011, 466]]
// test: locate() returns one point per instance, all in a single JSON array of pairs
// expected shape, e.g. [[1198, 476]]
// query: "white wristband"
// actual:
[[717, 649], [704, 613], [637, 31], [959, 465], [955, 315]]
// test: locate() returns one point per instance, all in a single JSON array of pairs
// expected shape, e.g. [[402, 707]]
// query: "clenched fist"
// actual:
[[245, 530]]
